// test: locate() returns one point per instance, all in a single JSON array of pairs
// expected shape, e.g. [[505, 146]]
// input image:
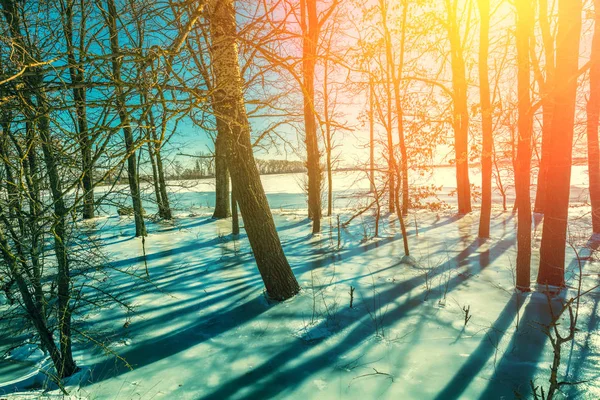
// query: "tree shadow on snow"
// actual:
[[275, 376]]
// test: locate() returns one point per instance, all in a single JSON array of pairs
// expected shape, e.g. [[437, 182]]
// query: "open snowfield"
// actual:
[[202, 327]]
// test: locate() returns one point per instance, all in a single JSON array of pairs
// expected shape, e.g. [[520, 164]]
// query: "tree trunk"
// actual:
[[222, 209], [235, 220], [486, 120], [392, 170], [76, 74], [547, 105], [525, 126], [310, 37], [36, 316], [328, 138], [372, 133], [593, 114], [554, 233], [132, 173], [399, 110], [461, 111], [229, 107], [155, 182]]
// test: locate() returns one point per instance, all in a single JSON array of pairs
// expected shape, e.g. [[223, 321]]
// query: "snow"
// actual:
[[203, 328]]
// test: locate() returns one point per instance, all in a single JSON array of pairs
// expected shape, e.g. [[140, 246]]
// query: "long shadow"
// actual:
[[577, 365], [584, 368], [193, 246], [156, 349], [519, 363], [272, 378], [484, 351], [153, 350], [347, 253]]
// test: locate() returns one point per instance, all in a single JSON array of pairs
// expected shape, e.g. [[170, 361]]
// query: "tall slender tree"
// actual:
[[525, 125], [593, 115], [120, 103], [486, 119], [76, 73], [309, 21], [556, 212], [460, 108], [546, 84]]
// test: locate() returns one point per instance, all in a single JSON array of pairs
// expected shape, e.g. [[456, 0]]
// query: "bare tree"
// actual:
[[230, 109]]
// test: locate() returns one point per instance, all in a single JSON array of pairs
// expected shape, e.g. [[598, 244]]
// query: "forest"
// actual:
[[292, 199]]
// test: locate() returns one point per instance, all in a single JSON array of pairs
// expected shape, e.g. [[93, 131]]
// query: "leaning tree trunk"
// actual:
[[593, 114], [461, 111], [229, 107], [525, 125], [556, 212], [486, 120], [310, 37], [34, 313], [132, 173]]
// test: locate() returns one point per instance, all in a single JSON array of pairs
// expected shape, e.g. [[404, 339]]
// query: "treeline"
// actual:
[[265, 167]]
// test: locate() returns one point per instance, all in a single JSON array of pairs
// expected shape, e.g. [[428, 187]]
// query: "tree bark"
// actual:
[[235, 220], [328, 138], [525, 126], [461, 111], [229, 107], [486, 120], [547, 105], [310, 38], [372, 133], [397, 78], [593, 115], [222, 209], [554, 233]]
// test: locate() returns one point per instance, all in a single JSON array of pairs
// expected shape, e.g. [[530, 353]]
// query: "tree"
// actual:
[[546, 84], [461, 110], [525, 126], [486, 119], [309, 21], [37, 104], [593, 114], [229, 107], [396, 78], [556, 212], [76, 73], [120, 103], [222, 208]]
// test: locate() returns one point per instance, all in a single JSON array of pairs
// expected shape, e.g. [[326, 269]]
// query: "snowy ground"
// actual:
[[202, 327]]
